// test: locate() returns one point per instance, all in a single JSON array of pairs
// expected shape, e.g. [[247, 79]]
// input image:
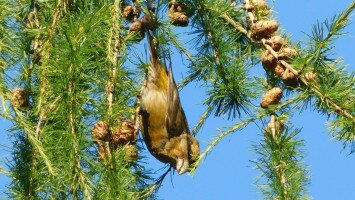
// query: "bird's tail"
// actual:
[[152, 42]]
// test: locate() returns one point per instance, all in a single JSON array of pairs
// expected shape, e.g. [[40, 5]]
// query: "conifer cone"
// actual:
[[290, 79], [131, 12], [137, 27], [179, 19], [270, 64], [268, 61], [101, 131], [287, 53], [179, 13], [147, 22], [260, 4], [259, 7], [264, 29], [271, 97], [279, 70], [276, 42], [126, 133], [19, 98], [181, 8], [177, 6]]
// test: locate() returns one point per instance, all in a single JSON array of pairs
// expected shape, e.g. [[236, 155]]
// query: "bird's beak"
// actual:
[[182, 165]]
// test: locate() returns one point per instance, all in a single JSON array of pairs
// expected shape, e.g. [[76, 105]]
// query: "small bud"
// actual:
[[101, 131], [310, 76], [271, 97], [278, 127], [131, 153]]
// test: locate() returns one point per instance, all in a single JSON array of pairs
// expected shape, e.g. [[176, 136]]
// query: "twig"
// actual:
[[250, 14], [235, 24], [237, 127], [214, 142], [5, 172], [157, 183]]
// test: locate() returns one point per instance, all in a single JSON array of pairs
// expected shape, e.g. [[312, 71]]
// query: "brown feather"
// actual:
[[163, 121]]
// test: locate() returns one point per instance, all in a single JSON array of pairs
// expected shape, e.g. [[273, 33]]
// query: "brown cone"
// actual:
[[19, 98], [271, 97], [287, 53], [131, 12], [290, 79], [179, 19], [260, 4], [147, 22], [268, 61], [279, 70], [264, 29], [126, 133], [128, 13], [137, 27], [101, 131], [276, 42], [177, 7]]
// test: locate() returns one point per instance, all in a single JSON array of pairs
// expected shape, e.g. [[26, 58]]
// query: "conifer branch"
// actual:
[[33, 23], [28, 129], [113, 55], [339, 24], [277, 160], [237, 127], [334, 106], [202, 120], [5, 172], [214, 49], [218, 138], [235, 24], [184, 51]]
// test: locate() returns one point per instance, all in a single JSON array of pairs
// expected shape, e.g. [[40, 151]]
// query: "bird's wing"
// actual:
[[176, 123]]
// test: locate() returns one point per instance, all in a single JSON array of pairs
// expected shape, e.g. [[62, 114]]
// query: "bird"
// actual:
[[162, 119]]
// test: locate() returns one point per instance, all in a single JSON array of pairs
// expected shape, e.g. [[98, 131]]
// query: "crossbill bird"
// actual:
[[162, 118]]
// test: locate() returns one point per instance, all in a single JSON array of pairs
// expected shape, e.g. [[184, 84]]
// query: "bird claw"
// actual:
[[182, 165]]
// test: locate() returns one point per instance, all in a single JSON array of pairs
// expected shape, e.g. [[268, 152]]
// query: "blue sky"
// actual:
[[227, 172]]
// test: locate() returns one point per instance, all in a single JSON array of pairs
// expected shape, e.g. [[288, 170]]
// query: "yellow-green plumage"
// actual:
[[163, 122]]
